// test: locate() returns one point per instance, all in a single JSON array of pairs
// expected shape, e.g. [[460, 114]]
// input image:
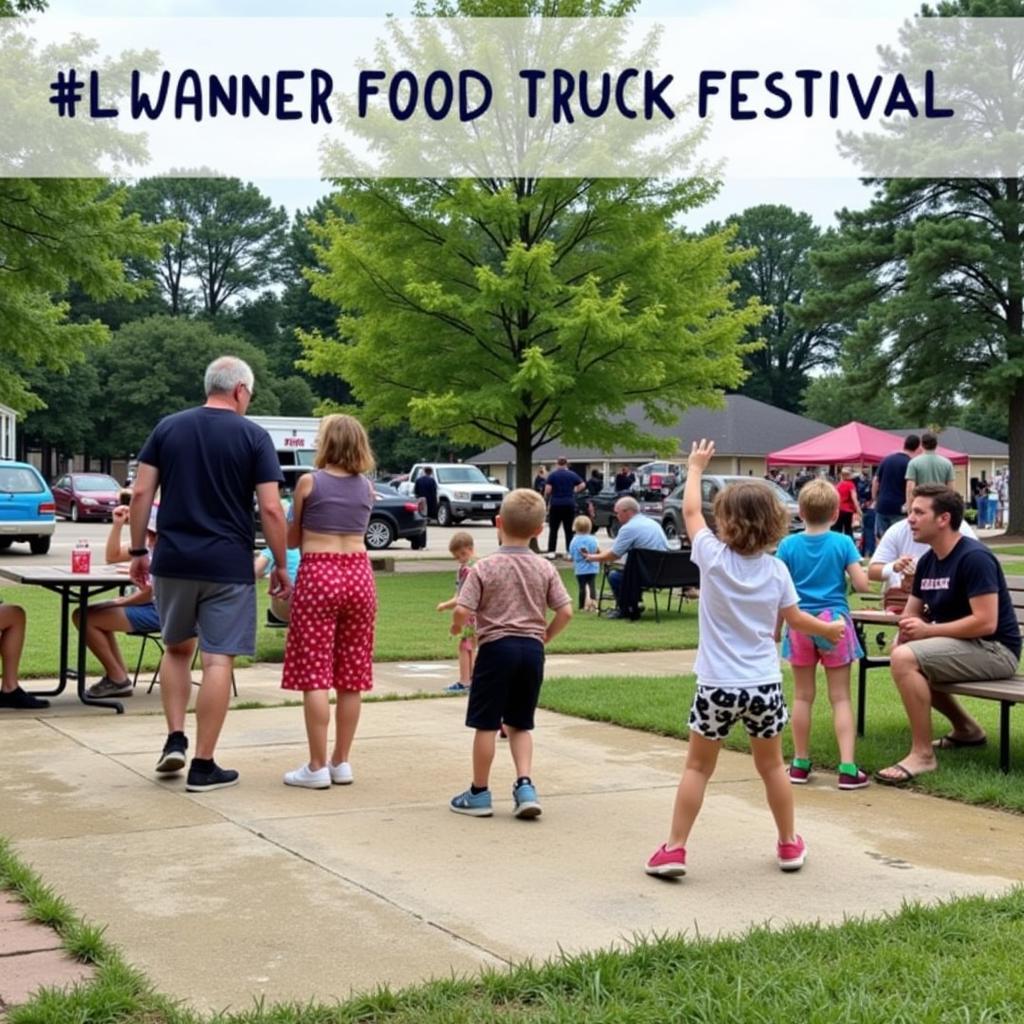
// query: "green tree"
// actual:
[[779, 275], [931, 273], [154, 367], [527, 309], [229, 237], [12, 8], [55, 233]]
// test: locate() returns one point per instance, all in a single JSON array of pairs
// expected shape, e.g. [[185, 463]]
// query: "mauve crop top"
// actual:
[[338, 504]]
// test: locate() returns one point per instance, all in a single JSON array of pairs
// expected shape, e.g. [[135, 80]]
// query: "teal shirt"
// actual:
[[817, 562], [294, 556]]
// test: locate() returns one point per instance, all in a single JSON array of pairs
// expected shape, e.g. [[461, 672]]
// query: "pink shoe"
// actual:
[[667, 863], [791, 855], [799, 771], [858, 781]]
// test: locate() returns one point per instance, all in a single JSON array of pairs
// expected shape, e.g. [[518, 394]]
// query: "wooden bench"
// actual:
[[1006, 691]]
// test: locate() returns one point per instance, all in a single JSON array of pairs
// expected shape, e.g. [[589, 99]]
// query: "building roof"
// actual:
[[744, 427], [967, 441]]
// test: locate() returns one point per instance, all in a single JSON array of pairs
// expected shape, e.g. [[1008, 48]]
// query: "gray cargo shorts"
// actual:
[[223, 615], [947, 659]]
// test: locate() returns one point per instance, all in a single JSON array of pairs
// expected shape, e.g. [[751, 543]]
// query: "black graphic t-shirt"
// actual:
[[946, 586]]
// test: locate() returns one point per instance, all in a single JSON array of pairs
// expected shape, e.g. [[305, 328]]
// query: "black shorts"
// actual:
[[507, 678]]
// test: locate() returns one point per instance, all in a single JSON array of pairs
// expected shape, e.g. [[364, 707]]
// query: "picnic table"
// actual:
[[74, 589]]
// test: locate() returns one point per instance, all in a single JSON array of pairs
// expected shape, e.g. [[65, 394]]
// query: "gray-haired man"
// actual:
[[207, 462]]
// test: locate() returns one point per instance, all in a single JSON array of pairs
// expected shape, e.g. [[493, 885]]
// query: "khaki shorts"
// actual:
[[945, 659]]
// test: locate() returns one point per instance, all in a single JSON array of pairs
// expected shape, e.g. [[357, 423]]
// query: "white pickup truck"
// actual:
[[463, 492]]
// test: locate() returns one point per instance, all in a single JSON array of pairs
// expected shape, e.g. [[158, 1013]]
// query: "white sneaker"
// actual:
[[341, 774], [320, 779]]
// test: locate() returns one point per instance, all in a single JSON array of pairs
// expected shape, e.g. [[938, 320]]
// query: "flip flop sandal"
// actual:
[[951, 742], [906, 776]]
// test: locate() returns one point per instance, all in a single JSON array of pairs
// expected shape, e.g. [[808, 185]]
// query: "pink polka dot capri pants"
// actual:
[[330, 635]]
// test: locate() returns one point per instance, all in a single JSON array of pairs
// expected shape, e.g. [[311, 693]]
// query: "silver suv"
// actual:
[[463, 492]]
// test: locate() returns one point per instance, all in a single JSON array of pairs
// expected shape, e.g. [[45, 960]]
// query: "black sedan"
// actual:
[[394, 516]]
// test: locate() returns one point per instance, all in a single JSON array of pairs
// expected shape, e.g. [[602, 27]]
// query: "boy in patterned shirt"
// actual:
[[509, 592]]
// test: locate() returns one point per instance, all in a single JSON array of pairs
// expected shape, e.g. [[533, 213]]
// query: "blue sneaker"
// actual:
[[456, 688], [527, 805], [477, 805]]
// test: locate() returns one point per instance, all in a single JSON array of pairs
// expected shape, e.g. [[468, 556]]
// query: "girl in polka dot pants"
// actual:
[[334, 607]]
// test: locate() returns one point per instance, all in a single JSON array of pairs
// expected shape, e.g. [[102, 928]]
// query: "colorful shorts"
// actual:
[[802, 650], [330, 635], [467, 638], [761, 709]]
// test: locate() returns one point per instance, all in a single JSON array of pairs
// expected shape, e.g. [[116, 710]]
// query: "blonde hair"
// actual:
[[342, 441], [460, 540], [581, 524], [522, 512], [749, 517], [819, 502]]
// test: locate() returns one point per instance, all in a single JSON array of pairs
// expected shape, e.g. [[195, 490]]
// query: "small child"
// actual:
[[509, 592], [586, 572], [742, 591], [819, 560], [462, 550]]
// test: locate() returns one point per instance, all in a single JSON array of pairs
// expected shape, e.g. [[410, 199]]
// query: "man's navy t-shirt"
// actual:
[[946, 585], [563, 484], [210, 461], [892, 484]]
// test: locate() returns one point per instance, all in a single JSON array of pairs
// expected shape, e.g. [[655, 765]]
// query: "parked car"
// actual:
[[394, 516], [600, 508], [463, 492], [658, 476], [86, 496], [710, 485], [27, 512]]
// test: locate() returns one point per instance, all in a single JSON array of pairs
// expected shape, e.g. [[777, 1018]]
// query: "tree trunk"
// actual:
[[524, 452], [1015, 492]]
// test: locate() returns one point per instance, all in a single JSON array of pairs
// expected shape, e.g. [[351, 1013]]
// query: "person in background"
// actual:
[[540, 480], [889, 487], [849, 506], [426, 488], [132, 613], [462, 549], [928, 467], [12, 641], [867, 512], [586, 572], [561, 490], [595, 482], [624, 480], [263, 567]]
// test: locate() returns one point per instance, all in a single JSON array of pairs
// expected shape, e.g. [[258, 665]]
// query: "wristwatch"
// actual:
[[138, 552]]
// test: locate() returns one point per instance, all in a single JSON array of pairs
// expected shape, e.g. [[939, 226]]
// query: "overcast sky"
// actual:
[[818, 197]]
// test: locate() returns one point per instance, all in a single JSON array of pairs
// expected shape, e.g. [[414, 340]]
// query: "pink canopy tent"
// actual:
[[855, 443]]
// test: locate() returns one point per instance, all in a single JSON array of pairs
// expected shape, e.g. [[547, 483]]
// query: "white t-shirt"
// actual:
[[740, 599], [898, 541]]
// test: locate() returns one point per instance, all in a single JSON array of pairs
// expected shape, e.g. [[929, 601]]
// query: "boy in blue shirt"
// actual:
[[586, 572], [820, 560]]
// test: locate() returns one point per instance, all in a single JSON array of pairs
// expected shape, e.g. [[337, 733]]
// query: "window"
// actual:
[[96, 483], [460, 475], [16, 480]]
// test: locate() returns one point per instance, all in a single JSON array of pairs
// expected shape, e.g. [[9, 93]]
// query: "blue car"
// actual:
[[27, 510]]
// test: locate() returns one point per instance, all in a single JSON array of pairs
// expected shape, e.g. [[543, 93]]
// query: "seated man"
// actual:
[[635, 531], [133, 613], [280, 608], [12, 640], [958, 626]]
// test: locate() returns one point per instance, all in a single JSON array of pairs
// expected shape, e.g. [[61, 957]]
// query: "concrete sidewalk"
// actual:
[[264, 891]]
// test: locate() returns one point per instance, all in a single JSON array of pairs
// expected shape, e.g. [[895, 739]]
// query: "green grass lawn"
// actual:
[[407, 626], [662, 705], [956, 962], [1007, 549]]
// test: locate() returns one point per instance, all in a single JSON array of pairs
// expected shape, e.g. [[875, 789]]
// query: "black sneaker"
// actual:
[[22, 701], [172, 760], [202, 780]]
